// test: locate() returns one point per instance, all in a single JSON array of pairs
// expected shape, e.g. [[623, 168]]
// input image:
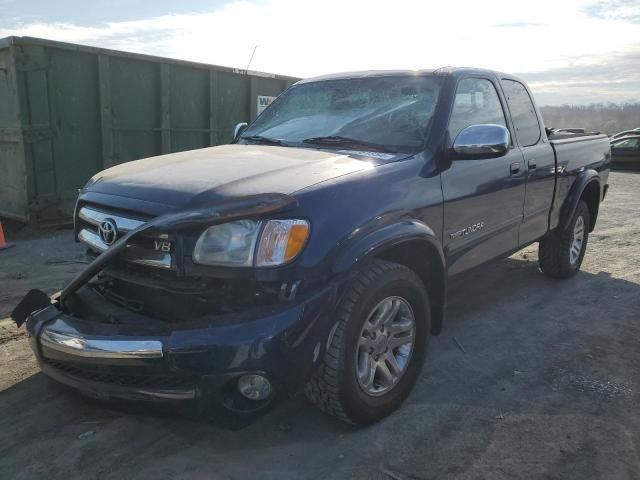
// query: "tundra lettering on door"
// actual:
[[466, 231]]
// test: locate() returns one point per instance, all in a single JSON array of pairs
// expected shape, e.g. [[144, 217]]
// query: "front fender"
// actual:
[[570, 203], [410, 243], [384, 238]]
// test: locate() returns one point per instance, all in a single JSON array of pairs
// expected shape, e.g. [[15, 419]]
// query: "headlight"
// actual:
[[230, 244], [235, 243]]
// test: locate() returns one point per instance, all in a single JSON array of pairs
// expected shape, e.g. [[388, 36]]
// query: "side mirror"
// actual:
[[482, 141], [238, 129]]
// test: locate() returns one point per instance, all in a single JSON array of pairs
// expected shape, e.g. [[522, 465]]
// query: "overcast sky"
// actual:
[[570, 51]]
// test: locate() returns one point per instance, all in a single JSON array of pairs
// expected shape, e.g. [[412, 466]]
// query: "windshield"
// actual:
[[393, 112]]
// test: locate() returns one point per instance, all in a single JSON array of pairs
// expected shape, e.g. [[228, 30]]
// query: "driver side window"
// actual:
[[476, 102]]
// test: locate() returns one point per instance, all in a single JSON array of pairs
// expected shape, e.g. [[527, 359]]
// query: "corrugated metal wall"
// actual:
[[68, 111], [14, 195]]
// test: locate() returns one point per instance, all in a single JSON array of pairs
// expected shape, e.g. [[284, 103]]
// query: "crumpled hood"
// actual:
[[200, 177]]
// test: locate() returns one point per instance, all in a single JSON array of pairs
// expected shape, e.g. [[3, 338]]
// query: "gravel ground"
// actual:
[[531, 378]]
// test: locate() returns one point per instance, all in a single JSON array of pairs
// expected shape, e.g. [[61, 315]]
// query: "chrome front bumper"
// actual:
[[97, 348], [196, 367], [59, 336]]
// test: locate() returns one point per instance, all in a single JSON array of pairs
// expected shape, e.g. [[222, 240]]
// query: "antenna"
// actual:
[[251, 59]]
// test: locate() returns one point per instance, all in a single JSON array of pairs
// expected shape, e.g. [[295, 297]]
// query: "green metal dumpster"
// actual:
[[68, 111]]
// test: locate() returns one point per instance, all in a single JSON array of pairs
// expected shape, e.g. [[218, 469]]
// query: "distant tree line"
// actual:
[[607, 118]]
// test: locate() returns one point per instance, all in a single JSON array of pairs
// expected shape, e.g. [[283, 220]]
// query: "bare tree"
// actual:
[[607, 118]]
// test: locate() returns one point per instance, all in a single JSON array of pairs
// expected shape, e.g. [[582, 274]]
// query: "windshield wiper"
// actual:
[[340, 141], [265, 140]]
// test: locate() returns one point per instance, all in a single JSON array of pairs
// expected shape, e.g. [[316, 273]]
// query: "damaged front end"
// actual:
[[147, 266], [144, 322]]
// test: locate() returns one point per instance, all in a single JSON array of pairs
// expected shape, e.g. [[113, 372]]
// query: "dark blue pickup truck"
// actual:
[[313, 253]]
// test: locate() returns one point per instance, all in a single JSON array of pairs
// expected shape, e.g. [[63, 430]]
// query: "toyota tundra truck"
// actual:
[[313, 252]]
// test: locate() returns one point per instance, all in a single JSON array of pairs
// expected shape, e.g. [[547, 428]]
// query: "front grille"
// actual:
[[152, 382], [90, 219]]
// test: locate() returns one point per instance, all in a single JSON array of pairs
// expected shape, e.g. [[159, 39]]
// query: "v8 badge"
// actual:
[[163, 246]]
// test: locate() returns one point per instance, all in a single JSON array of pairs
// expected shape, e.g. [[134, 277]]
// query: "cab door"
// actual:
[[539, 161], [483, 197]]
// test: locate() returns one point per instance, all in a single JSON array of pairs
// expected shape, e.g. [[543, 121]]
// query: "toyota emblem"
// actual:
[[108, 231]]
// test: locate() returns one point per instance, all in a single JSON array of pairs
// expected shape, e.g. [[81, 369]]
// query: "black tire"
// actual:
[[334, 386], [554, 250]]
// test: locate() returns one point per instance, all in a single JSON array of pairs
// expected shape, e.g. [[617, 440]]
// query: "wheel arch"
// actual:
[[586, 187], [591, 196], [413, 245]]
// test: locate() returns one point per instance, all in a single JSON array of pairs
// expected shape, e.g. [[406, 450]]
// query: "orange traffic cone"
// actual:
[[3, 242]]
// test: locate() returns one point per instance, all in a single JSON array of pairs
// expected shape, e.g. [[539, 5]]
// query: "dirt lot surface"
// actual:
[[532, 378]]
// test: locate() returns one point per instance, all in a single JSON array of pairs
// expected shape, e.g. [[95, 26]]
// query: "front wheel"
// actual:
[[377, 347], [561, 252]]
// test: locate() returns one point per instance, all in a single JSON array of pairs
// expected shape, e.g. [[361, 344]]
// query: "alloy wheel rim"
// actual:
[[385, 346], [577, 240]]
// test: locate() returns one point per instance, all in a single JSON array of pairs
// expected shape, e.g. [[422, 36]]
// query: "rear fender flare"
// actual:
[[583, 180]]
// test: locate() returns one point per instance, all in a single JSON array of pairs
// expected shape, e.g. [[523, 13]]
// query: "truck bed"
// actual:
[[575, 153]]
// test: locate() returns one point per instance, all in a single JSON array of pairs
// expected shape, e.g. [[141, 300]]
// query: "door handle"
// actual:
[[532, 164], [514, 168]]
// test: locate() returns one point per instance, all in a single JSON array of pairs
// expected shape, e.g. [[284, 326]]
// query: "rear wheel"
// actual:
[[561, 252], [377, 348]]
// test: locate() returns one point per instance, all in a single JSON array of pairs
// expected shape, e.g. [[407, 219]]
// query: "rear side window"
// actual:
[[630, 143], [476, 102], [523, 112]]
